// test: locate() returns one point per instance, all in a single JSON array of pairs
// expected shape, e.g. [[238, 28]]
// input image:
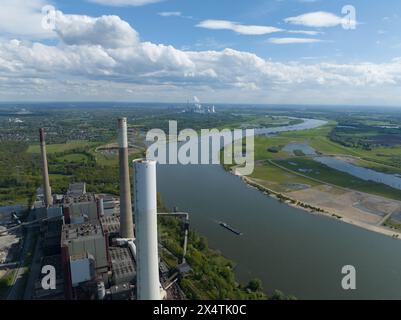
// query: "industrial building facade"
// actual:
[[91, 241]]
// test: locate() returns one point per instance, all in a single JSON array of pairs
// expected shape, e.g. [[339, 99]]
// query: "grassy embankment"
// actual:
[[281, 180]]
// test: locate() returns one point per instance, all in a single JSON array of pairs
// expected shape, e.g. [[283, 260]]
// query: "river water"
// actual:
[[287, 248], [391, 180]]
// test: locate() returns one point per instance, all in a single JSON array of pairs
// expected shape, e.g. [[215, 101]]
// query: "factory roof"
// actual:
[[76, 231], [78, 188], [110, 224], [77, 198], [122, 265]]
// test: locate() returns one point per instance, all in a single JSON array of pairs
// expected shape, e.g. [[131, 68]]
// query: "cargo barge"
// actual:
[[228, 227]]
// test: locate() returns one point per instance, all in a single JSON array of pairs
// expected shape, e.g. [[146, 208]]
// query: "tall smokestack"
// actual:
[[126, 225], [148, 282], [46, 184]]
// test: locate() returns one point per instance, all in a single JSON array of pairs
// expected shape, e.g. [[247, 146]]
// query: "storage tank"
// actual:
[[148, 282]]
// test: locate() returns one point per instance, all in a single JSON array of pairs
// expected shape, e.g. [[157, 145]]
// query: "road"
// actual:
[[18, 283]]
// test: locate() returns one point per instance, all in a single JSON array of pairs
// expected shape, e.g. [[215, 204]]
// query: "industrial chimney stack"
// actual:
[[126, 225], [148, 282], [45, 172]]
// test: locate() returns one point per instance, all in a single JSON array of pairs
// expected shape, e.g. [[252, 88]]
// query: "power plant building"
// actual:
[[90, 237]]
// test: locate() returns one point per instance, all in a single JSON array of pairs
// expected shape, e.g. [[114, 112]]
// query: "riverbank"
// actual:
[[315, 210]]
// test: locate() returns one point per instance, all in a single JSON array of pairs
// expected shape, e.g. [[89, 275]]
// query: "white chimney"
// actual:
[[148, 282]]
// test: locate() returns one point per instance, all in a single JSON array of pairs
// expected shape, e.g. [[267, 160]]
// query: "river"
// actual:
[[391, 180], [287, 248]]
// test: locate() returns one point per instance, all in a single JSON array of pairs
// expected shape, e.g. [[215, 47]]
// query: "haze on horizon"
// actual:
[[264, 52]]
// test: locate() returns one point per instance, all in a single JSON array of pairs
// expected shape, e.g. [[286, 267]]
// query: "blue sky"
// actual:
[[259, 51], [378, 23]]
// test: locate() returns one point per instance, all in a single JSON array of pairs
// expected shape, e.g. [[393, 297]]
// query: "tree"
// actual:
[[278, 295], [255, 285]]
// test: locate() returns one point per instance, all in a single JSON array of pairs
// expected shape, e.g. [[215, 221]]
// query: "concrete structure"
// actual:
[[77, 189], [120, 292], [100, 207], [83, 211], [122, 265], [47, 194], [111, 205], [126, 224], [82, 269], [111, 225], [91, 237], [185, 221], [148, 282], [75, 198], [86, 238], [47, 213]]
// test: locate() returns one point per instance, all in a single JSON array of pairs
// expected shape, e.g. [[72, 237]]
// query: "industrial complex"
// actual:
[[102, 246]]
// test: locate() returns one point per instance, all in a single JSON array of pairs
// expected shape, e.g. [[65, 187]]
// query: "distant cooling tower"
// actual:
[[126, 225], [45, 172], [148, 282]]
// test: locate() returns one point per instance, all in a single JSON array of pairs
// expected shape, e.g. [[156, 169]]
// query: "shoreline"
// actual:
[[394, 234]]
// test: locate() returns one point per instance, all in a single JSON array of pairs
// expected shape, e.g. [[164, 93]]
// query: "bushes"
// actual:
[[274, 149], [278, 295]]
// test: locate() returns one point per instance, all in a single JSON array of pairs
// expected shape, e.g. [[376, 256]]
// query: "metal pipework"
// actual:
[[126, 224], [45, 171], [185, 215], [127, 242]]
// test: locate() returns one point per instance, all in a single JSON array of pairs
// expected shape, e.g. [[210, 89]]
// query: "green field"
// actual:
[[104, 160], [384, 159], [74, 157], [277, 179], [316, 138], [58, 148], [321, 172], [19, 174]]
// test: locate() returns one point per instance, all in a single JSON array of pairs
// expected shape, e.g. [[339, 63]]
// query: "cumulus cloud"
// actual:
[[236, 27], [145, 62], [104, 55], [316, 19], [123, 3], [23, 18], [106, 31]]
